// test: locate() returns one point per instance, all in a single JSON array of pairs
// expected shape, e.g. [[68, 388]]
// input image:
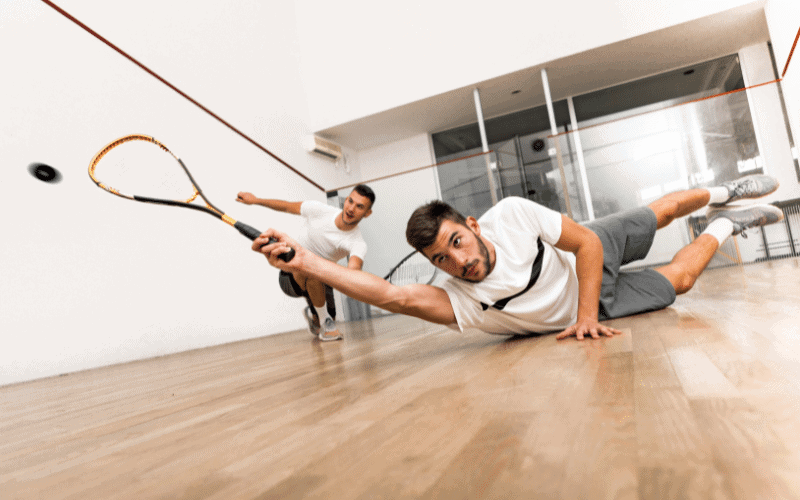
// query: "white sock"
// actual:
[[720, 229], [719, 194], [322, 313]]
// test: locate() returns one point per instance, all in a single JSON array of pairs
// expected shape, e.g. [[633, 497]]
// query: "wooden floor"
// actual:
[[701, 400]]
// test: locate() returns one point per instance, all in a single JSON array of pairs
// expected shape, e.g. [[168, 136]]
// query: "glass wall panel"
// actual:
[[567, 167], [508, 169], [465, 183], [633, 161], [540, 167]]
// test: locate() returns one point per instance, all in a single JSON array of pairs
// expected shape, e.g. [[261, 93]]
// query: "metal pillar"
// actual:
[[554, 133], [489, 170], [581, 161]]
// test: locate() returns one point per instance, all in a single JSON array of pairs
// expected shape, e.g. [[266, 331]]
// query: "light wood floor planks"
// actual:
[[700, 400]]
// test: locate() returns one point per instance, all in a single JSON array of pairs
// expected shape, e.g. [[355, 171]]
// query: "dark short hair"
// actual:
[[366, 192], [423, 226]]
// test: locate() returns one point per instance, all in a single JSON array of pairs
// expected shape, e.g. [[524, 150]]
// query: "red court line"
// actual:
[[790, 54], [176, 89]]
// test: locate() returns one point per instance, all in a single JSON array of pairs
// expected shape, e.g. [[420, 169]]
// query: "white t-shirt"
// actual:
[[321, 236], [514, 227]]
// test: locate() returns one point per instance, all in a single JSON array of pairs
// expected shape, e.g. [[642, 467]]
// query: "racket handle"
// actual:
[[254, 233]]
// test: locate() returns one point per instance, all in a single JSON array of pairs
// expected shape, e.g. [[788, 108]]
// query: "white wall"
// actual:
[[768, 120], [89, 279], [361, 57], [240, 59], [783, 19]]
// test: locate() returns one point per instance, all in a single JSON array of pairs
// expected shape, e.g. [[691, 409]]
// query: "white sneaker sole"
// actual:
[[325, 338]]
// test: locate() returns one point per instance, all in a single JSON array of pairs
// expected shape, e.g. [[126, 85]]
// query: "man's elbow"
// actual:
[[591, 242], [589, 247], [597, 241]]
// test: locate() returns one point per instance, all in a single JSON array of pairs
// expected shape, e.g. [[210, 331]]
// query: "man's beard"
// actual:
[[478, 262]]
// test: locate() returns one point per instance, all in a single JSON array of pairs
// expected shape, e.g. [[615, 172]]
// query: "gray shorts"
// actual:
[[627, 237], [291, 288]]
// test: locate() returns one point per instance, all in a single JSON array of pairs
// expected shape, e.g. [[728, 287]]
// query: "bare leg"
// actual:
[[316, 292], [315, 289], [309, 312], [679, 204], [692, 259], [689, 262]]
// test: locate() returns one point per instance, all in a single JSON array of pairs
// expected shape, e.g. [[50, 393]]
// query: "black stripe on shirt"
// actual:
[[536, 270]]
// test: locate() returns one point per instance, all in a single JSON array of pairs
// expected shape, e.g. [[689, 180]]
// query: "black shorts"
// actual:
[[627, 237], [291, 288]]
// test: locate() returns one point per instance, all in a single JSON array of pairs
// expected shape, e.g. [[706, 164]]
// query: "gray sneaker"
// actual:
[[329, 331], [747, 216], [313, 321], [751, 186]]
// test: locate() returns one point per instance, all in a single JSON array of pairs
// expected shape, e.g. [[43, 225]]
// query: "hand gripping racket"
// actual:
[[133, 161]]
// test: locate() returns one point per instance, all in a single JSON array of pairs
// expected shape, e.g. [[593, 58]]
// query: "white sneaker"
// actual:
[[747, 216], [751, 186], [329, 331]]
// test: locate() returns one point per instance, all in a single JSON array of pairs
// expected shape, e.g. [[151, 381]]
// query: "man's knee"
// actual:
[[684, 283], [665, 209], [315, 284], [301, 280], [682, 279], [316, 289]]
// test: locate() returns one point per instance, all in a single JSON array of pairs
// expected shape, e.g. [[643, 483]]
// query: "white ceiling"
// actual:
[[675, 47]]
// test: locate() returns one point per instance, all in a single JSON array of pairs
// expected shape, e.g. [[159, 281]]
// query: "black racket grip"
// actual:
[[254, 233]]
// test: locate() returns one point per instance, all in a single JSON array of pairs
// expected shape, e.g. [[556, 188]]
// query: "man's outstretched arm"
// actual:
[[422, 301], [291, 207], [588, 250]]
